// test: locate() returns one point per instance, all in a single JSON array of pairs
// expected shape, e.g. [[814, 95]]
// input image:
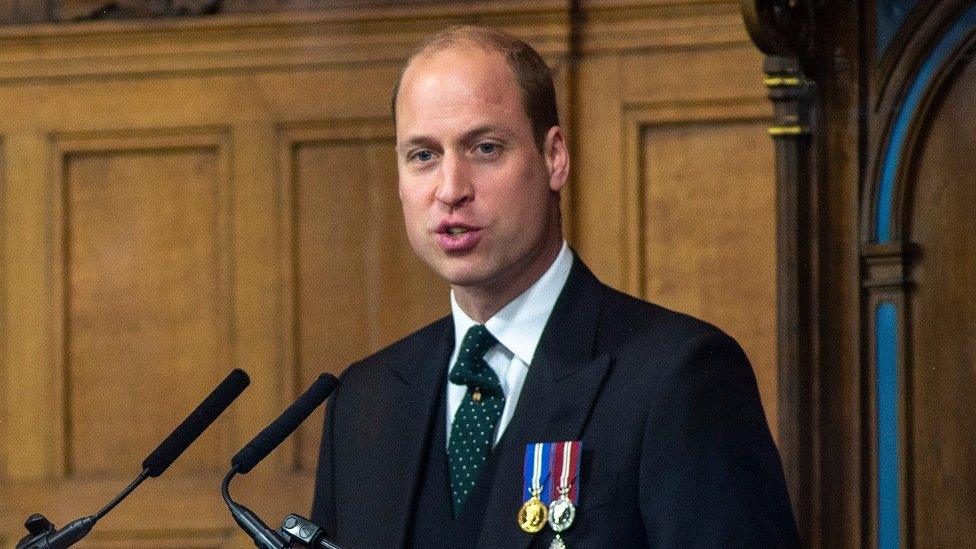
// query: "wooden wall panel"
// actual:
[[709, 226], [678, 84], [146, 291]]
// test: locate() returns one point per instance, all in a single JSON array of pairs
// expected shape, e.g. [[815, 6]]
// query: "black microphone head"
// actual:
[[272, 435], [180, 439]]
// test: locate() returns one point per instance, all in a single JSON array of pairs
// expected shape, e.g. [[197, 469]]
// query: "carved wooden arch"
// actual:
[[919, 74], [929, 50]]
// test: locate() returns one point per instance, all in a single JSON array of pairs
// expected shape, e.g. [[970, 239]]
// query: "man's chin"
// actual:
[[464, 281], [464, 276]]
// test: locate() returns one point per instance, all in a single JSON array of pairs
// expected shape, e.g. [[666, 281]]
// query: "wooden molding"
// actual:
[[884, 266], [4, 412], [781, 27], [894, 101], [249, 42], [622, 28], [342, 36]]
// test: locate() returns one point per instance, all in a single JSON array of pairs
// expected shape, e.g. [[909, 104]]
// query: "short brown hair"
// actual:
[[530, 71]]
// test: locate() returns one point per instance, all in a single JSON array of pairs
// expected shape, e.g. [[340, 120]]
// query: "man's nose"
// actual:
[[454, 188]]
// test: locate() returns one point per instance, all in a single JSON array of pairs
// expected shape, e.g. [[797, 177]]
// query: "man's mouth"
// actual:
[[454, 228], [457, 238]]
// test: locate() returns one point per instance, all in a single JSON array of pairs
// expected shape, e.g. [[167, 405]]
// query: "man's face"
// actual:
[[479, 199]]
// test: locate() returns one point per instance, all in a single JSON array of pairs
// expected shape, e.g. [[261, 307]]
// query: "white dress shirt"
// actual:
[[518, 328]]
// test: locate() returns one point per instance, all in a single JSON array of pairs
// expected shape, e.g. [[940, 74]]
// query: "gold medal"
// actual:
[[533, 514]]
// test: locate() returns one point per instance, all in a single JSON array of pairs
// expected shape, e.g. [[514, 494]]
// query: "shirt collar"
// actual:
[[518, 326]]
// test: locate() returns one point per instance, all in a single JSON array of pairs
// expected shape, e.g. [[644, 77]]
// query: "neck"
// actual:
[[484, 301]]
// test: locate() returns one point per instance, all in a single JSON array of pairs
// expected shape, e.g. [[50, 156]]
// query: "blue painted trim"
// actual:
[[890, 15], [896, 142], [889, 472]]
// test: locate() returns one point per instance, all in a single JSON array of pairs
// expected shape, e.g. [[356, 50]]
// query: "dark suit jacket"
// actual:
[[677, 452]]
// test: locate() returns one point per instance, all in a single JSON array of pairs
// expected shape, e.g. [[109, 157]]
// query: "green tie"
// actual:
[[474, 423]]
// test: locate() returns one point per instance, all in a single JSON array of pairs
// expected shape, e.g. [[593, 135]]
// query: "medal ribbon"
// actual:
[[565, 467], [538, 462]]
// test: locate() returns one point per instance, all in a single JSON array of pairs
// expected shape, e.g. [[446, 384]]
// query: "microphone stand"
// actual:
[[295, 530], [42, 534]]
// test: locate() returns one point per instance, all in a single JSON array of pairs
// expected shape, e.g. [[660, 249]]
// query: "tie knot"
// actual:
[[476, 343], [470, 368]]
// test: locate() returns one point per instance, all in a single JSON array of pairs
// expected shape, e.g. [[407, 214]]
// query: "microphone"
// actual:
[[274, 434], [256, 450], [41, 532], [180, 439]]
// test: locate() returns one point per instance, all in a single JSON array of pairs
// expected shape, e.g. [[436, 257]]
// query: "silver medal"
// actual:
[[561, 513]]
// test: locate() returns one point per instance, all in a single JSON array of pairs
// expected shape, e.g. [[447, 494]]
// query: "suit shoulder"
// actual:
[[651, 344], [415, 344], [627, 318]]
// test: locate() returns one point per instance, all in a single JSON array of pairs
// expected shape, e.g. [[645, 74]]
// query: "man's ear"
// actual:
[[557, 158]]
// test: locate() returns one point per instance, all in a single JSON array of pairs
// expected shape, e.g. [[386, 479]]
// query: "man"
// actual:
[[425, 441]]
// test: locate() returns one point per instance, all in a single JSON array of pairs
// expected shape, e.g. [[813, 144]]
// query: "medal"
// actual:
[[533, 514], [561, 513], [565, 468]]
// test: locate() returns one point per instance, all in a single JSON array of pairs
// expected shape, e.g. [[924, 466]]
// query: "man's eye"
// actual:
[[423, 156], [487, 148]]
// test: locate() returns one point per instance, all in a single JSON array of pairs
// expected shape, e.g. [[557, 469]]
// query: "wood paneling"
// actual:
[[617, 76], [891, 263], [940, 413], [146, 289], [708, 231]]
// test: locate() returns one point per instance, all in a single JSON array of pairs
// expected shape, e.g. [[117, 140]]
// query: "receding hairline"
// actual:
[[459, 38], [484, 38]]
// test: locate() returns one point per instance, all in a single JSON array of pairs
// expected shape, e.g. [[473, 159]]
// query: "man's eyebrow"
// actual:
[[415, 142], [479, 131]]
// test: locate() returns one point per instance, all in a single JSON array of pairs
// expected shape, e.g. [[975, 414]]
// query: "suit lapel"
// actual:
[[422, 374], [559, 391]]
